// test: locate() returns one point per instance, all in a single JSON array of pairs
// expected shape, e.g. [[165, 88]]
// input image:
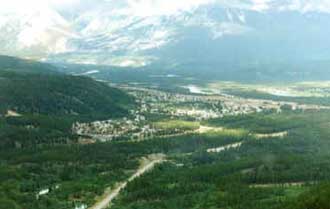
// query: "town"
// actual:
[[155, 106]]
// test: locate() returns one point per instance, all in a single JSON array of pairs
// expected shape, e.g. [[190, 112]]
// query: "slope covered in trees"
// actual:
[[31, 87], [49, 102], [316, 198]]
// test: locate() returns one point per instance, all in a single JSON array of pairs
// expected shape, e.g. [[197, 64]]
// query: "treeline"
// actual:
[[35, 130], [260, 95], [271, 122]]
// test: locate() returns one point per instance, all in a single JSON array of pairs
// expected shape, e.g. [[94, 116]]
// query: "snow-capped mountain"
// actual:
[[138, 33]]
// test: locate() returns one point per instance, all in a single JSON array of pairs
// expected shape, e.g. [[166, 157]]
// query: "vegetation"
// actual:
[[192, 178], [31, 92], [25, 66], [260, 95], [73, 174], [266, 123], [316, 198], [177, 124], [35, 130], [60, 95], [270, 173], [44, 165], [39, 152]]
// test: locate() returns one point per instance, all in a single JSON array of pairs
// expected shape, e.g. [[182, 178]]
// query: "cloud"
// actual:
[[292, 5], [316, 5], [26, 5], [146, 8], [260, 5], [161, 7]]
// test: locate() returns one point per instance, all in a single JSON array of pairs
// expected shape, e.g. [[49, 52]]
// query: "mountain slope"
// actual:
[[138, 34], [25, 66], [224, 38], [27, 91]]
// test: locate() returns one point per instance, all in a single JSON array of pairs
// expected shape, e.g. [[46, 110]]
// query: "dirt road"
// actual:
[[147, 164]]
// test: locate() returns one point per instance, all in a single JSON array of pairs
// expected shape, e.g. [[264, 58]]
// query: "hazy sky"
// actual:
[[138, 7], [162, 7], [28, 4]]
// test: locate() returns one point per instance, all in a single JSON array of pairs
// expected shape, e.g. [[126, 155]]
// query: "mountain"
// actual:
[[188, 35], [25, 90], [27, 66]]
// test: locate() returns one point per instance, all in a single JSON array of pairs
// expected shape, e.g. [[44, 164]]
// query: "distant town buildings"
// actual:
[[174, 105]]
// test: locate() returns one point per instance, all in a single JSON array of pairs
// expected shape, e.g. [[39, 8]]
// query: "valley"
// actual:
[[155, 104], [221, 150], [162, 114]]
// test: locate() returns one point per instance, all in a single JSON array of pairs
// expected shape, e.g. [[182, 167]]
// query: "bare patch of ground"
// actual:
[[205, 129], [287, 184], [11, 113], [271, 135], [226, 147]]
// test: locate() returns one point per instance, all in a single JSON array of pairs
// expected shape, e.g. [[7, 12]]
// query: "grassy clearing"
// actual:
[[176, 124], [227, 132]]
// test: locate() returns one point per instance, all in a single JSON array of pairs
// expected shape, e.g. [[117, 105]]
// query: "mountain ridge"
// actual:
[[27, 91], [119, 34]]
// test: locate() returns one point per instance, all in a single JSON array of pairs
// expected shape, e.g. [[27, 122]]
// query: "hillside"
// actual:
[[27, 66], [31, 87]]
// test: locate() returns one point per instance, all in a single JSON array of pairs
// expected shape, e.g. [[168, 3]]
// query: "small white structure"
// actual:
[[42, 192], [82, 206]]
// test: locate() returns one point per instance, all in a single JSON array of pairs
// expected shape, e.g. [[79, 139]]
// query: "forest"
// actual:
[[262, 173], [267, 173]]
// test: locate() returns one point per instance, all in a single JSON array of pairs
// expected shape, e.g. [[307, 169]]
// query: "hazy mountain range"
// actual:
[[140, 33]]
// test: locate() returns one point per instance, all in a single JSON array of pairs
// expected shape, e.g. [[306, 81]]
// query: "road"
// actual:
[[226, 147], [147, 165]]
